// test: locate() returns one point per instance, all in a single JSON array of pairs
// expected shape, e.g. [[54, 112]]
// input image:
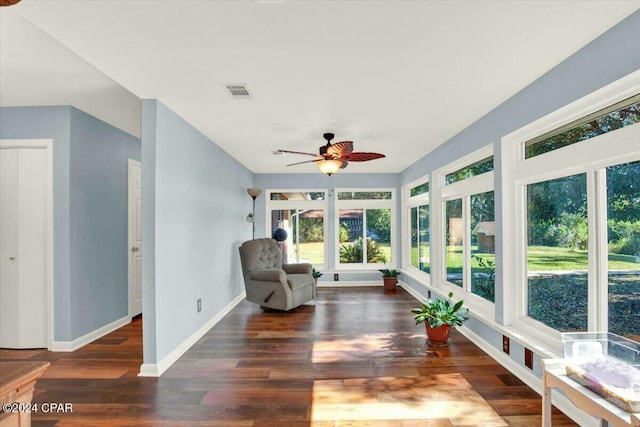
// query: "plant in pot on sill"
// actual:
[[390, 278], [439, 316], [316, 275]]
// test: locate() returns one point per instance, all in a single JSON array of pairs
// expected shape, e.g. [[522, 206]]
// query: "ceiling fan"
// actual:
[[336, 156]]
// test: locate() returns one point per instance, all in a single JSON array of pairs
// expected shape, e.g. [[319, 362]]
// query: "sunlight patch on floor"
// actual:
[[369, 346], [436, 397]]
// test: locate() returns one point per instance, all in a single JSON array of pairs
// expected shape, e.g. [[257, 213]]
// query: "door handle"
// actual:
[[134, 249]]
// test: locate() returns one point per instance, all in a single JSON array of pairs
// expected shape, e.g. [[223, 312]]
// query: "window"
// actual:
[[297, 220], [573, 215], [557, 265], [417, 207], [454, 243], [617, 116], [364, 228], [477, 168], [468, 226], [483, 245], [623, 248], [364, 195], [419, 190]]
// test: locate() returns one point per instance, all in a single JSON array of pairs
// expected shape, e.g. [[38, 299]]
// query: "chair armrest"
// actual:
[[302, 268], [269, 275]]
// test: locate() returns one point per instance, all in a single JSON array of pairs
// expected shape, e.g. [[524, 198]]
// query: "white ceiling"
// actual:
[[396, 77]]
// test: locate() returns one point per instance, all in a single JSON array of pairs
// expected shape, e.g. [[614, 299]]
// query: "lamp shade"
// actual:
[[329, 166], [254, 192]]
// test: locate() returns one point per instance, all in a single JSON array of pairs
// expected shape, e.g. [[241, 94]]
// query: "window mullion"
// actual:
[[466, 247], [365, 255], [600, 304]]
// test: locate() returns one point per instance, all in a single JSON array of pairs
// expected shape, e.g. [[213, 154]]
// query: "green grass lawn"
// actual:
[[556, 258], [544, 258], [312, 252], [540, 258]]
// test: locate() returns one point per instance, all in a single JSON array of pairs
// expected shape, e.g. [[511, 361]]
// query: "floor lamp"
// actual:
[[253, 192]]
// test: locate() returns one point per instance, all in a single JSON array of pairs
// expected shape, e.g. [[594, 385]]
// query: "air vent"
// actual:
[[238, 91]]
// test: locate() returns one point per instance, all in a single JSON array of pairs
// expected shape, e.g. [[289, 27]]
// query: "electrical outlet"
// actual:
[[528, 358], [505, 344], [336, 277], [199, 305]]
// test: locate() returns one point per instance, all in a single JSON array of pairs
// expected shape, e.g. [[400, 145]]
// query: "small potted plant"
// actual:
[[439, 316], [390, 278], [316, 275]]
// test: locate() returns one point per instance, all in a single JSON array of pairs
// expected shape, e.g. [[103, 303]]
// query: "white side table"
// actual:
[[554, 375]]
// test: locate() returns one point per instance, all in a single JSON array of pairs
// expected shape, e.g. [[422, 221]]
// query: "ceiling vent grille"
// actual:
[[238, 91]]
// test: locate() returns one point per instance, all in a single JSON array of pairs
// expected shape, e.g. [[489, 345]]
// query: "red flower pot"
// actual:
[[390, 283], [438, 335]]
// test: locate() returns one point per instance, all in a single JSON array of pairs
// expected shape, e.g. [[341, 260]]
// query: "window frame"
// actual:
[[271, 205], [440, 194], [590, 156], [365, 204], [409, 202]]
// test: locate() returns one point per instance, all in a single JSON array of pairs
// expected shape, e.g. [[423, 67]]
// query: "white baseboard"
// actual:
[[529, 378], [157, 369], [412, 291], [351, 284], [90, 337]]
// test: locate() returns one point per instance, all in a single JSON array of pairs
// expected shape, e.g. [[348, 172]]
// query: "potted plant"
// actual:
[[390, 278], [439, 316], [316, 275]]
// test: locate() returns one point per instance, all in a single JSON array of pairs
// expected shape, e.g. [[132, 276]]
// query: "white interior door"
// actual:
[[135, 237], [23, 247]]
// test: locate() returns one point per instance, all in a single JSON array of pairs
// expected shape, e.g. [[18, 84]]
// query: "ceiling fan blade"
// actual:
[[306, 161], [361, 156], [344, 164], [340, 148], [298, 152]]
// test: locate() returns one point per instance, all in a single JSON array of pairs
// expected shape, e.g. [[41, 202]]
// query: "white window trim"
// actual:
[[365, 204], [440, 194], [300, 204], [570, 160], [409, 202]]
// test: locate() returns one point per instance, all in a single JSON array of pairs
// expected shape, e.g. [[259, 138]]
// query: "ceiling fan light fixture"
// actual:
[[329, 166]]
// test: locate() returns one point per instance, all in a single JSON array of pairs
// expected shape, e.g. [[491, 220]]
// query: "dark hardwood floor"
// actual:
[[353, 357]]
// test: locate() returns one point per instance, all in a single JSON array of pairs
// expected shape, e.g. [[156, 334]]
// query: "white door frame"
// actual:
[[130, 235], [46, 144]]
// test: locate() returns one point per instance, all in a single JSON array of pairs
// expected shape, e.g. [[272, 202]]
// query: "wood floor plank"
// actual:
[[352, 357]]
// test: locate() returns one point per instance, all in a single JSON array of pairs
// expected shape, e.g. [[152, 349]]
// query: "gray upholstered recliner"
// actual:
[[270, 283]]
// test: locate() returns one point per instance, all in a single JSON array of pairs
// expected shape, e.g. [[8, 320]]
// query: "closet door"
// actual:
[[23, 248]]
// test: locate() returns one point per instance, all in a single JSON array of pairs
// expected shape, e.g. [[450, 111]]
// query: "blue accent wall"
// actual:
[[98, 217], [89, 218], [194, 207]]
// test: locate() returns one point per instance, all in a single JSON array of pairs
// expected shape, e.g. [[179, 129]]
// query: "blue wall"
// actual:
[[89, 198], [194, 204], [98, 217]]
